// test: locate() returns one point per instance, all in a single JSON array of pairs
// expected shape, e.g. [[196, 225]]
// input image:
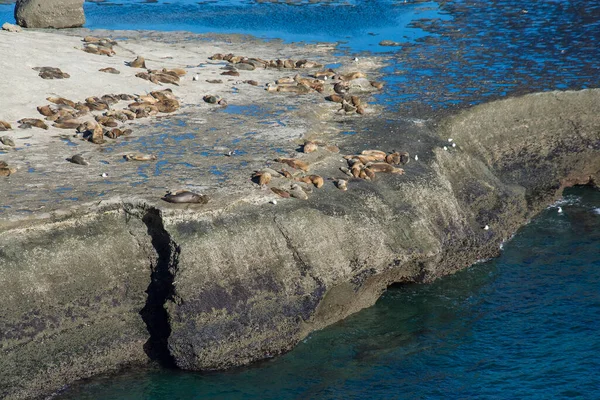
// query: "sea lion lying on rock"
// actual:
[[51, 73], [4, 126], [185, 196]]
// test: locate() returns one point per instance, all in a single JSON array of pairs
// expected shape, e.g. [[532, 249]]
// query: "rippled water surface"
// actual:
[[525, 325]]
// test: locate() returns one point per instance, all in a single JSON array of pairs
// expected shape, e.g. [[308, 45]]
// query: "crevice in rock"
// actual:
[[159, 290]]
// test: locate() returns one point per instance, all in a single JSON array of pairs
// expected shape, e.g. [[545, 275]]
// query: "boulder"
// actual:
[[49, 13]]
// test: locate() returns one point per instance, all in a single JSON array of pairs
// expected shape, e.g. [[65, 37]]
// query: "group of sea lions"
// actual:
[[100, 46], [321, 81], [254, 62], [299, 184], [51, 73]]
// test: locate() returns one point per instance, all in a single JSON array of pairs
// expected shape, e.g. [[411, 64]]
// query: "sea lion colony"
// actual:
[[97, 118]]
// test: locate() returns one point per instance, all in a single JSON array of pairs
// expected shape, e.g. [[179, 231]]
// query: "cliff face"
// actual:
[[230, 287]]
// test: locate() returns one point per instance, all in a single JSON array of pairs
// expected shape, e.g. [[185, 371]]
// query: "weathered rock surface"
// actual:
[[230, 287], [49, 13]]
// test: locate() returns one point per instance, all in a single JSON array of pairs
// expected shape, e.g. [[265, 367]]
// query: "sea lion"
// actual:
[[110, 70], [356, 168], [298, 89], [317, 180], [369, 173], [46, 111], [285, 80], [280, 192], [351, 76], [294, 163], [126, 97], [263, 178], [97, 136], [324, 74], [376, 85], [4, 126], [297, 192], [110, 99], [342, 184], [139, 157], [30, 122], [139, 62], [230, 73], [360, 109], [7, 141], [51, 73], [217, 56], [393, 158], [106, 121], [385, 167], [61, 101], [211, 99], [364, 158], [380, 154], [167, 106], [67, 124], [214, 81], [335, 98], [5, 170], [114, 133], [286, 174], [78, 159], [251, 82], [341, 87], [309, 147], [185, 196], [165, 94]]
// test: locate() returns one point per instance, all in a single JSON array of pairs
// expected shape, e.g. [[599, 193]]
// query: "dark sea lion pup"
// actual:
[[184, 196]]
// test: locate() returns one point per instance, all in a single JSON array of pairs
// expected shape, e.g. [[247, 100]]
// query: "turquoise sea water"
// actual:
[[524, 325]]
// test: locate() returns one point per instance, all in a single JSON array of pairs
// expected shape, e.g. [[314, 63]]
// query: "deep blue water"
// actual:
[[524, 325]]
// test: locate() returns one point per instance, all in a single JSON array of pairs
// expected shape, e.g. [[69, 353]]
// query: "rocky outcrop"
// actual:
[[129, 282], [49, 13]]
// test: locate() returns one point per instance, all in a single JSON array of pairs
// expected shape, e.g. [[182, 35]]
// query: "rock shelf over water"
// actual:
[[98, 272]]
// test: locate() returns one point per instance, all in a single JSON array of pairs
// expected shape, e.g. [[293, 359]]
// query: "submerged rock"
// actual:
[[49, 13]]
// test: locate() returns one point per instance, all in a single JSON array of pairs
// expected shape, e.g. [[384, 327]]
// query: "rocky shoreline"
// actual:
[[132, 280]]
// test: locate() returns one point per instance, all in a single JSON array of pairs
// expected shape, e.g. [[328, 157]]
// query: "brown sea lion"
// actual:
[[336, 98], [352, 76], [4, 126], [378, 153], [110, 70], [67, 124], [377, 85], [280, 192], [167, 106], [230, 73], [186, 197], [114, 133], [5, 170], [385, 167], [263, 178], [46, 111], [309, 147], [30, 122], [214, 81], [61, 101], [294, 163], [317, 180], [139, 157], [251, 82], [51, 73], [139, 62]]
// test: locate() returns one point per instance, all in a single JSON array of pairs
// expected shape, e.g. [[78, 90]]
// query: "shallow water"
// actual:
[[525, 325]]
